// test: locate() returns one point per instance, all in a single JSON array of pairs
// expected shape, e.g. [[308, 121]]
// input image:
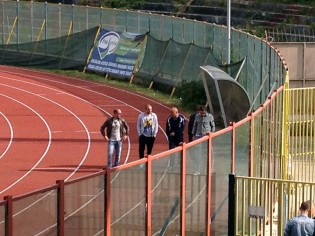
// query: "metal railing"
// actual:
[[263, 206]]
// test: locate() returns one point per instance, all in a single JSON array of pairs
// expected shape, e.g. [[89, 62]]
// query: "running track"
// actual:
[[49, 127]]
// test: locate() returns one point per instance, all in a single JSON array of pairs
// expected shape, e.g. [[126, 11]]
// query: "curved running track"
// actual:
[[50, 127]]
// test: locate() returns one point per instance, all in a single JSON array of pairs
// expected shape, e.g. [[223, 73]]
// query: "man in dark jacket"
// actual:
[[115, 130], [175, 125]]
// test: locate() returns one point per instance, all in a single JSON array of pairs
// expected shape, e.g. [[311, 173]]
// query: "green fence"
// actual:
[[198, 42]]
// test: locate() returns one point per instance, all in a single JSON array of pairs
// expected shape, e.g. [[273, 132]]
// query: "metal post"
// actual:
[[8, 216], [231, 209], [229, 31], [61, 207], [46, 20], [32, 21], [149, 196], [17, 22]]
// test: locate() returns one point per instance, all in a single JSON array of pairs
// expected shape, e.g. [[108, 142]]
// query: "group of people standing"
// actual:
[[115, 130]]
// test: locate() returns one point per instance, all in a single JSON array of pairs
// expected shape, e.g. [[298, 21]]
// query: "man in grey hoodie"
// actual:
[[203, 124]]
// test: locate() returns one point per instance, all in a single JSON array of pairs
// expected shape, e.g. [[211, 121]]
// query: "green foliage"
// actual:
[[124, 84], [191, 94]]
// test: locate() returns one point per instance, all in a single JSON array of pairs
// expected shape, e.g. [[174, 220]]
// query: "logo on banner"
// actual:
[[108, 44]]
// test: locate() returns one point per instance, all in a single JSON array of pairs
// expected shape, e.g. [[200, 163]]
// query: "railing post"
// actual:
[[9, 216], [251, 144], [233, 147], [107, 204], [285, 127], [61, 208], [148, 197], [209, 186], [231, 209], [17, 22], [183, 191]]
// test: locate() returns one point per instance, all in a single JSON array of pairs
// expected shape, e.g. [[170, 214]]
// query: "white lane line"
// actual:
[[95, 92], [72, 113], [43, 155], [11, 135], [81, 99]]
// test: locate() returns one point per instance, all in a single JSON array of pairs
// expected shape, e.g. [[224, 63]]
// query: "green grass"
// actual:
[[123, 83]]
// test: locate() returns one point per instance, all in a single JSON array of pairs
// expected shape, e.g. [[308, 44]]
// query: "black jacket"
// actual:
[[176, 125]]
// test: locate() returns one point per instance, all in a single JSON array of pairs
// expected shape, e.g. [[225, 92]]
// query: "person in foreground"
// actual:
[[115, 130], [301, 225]]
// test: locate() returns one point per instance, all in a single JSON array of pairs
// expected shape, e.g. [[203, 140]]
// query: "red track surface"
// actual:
[[50, 128]]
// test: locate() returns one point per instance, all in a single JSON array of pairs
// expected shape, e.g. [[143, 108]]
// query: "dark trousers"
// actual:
[[145, 141], [190, 137], [174, 141]]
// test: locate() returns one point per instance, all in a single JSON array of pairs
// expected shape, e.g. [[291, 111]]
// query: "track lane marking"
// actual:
[[43, 155], [11, 135], [80, 121]]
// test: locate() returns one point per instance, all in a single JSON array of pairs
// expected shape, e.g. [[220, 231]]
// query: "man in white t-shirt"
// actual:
[[115, 130]]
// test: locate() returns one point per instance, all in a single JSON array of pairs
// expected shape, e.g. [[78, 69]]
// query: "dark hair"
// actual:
[[202, 108], [305, 206], [197, 107]]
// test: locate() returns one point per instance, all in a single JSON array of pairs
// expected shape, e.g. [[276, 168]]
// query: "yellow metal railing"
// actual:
[[300, 141], [285, 115], [263, 206]]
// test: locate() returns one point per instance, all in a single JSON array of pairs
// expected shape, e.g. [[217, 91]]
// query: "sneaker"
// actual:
[[196, 173], [142, 166]]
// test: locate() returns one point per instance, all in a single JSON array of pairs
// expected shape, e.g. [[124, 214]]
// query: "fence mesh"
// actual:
[[59, 53]]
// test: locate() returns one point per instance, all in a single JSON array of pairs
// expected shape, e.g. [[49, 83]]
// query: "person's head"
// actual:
[[305, 207], [117, 113], [174, 112], [202, 110], [311, 208], [197, 108], [148, 108]]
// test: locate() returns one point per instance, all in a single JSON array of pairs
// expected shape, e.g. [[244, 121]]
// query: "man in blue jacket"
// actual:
[[301, 225]]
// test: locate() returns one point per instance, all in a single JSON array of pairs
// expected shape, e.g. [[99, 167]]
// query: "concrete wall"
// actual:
[[300, 58]]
